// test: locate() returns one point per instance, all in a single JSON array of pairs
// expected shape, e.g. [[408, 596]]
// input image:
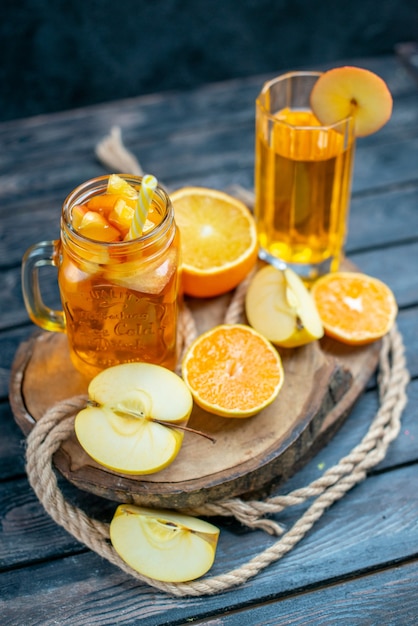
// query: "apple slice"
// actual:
[[151, 280], [120, 187], [94, 226], [280, 307], [163, 545], [355, 91], [129, 425], [77, 214], [121, 215], [74, 274], [103, 203]]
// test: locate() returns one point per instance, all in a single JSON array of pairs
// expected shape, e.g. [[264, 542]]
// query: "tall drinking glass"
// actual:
[[303, 173]]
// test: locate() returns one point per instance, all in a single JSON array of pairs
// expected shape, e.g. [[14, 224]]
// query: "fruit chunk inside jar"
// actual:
[[107, 217]]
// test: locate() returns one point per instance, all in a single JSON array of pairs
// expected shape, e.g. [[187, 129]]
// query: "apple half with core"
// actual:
[[163, 545], [129, 425], [279, 306]]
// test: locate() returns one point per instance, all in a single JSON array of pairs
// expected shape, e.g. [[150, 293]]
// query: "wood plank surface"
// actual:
[[360, 534], [321, 384], [385, 597], [15, 495], [358, 565]]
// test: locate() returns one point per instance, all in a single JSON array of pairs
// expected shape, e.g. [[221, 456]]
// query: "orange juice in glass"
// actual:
[[303, 173], [120, 296]]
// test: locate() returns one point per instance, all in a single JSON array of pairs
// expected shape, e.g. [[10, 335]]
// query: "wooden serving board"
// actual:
[[249, 456]]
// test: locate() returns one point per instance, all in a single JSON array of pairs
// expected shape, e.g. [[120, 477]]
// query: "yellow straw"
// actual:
[[146, 193]]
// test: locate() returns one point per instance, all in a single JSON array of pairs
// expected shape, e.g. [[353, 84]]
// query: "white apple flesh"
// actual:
[[122, 429], [163, 545], [280, 307], [355, 91]]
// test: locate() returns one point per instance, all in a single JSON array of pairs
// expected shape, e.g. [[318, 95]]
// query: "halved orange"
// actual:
[[218, 240], [354, 308], [233, 371]]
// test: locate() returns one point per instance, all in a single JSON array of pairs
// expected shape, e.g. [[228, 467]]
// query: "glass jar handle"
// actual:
[[39, 255]]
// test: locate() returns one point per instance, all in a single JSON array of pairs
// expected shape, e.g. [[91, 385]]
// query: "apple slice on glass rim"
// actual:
[[344, 91]]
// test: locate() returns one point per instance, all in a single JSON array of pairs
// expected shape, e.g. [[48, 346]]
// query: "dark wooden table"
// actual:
[[359, 563]]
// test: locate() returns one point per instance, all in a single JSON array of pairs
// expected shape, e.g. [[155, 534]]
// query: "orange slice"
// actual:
[[218, 240], [355, 91], [354, 308], [233, 371], [120, 187]]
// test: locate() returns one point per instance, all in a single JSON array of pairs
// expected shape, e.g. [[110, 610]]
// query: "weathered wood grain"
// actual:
[[358, 563], [180, 136], [385, 217], [386, 597], [320, 387], [192, 157], [154, 115], [12, 445], [18, 502], [358, 535]]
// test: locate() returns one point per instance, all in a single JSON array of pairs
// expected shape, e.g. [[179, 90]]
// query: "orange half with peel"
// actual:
[[218, 240], [354, 308], [233, 371]]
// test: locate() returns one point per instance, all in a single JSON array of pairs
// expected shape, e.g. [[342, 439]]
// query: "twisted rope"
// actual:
[[112, 153], [57, 424], [187, 334]]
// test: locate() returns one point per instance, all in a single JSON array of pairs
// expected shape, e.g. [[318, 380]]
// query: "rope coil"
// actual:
[[57, 424]]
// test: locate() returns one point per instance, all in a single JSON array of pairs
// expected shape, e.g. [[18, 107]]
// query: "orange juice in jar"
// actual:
[[120, 296], [303, 177]]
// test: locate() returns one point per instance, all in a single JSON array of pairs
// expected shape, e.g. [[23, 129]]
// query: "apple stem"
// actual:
[[141, 415], [187, 428]]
